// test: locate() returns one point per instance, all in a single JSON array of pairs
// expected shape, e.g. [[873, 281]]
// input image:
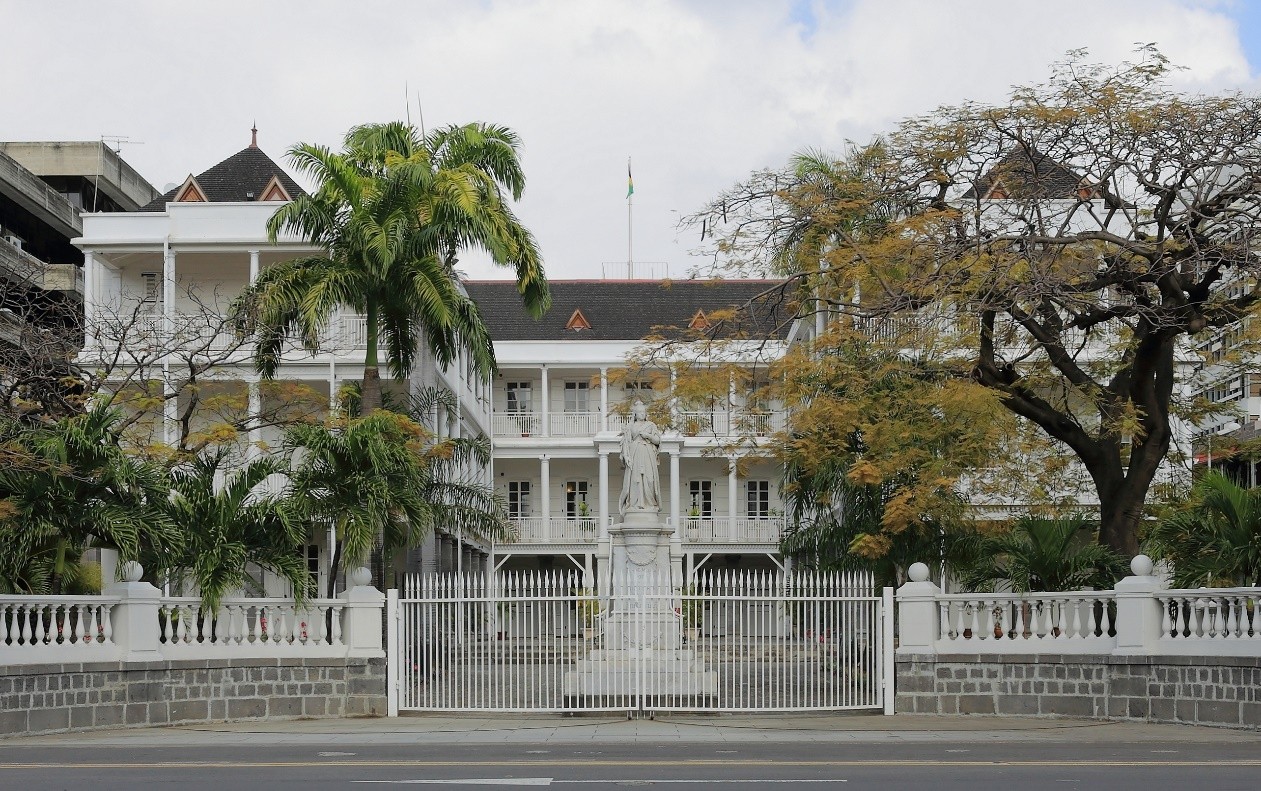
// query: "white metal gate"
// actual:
[[727, 642]]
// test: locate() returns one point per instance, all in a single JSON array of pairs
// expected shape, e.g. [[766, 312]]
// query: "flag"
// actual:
[[630, 182]]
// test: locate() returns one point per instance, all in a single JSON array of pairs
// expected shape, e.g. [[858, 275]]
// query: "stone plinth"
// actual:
[[642, 650]]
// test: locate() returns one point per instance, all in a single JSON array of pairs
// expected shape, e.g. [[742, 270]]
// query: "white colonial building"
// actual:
[[561, 395], [158, 284]]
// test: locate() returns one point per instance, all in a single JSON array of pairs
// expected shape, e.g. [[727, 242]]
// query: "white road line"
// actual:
[[467, 781], [547, 781]]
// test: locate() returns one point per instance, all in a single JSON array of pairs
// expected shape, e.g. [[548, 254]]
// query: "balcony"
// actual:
[[706, 530], [542, 530], [210, 332], [733, 530], [720, 423]]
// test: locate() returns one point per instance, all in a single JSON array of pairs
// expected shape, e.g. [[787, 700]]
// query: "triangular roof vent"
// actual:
[[700, 321], [275, 191], [190, 192], [577, 322]]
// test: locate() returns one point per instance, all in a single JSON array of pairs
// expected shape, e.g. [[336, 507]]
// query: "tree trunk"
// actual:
[[370, 392], [1121, 513]]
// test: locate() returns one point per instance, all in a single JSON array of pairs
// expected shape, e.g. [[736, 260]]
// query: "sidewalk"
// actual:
[[432, 730]]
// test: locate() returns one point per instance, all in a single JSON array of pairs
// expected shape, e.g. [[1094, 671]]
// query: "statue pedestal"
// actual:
[[642, 653]]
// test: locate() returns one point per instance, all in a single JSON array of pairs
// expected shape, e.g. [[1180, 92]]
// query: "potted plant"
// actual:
[[588, 613], [694, 523], [691, 611]]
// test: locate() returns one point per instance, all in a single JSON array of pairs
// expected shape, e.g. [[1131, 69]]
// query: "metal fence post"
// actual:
[[391, 652]]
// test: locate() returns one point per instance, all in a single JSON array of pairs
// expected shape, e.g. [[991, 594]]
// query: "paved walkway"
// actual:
[[433, 730]]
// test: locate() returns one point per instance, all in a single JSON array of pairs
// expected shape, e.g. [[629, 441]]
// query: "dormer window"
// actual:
[[275, 191], [577, 322]]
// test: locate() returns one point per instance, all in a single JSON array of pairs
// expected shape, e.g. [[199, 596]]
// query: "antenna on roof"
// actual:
[[116, 142]]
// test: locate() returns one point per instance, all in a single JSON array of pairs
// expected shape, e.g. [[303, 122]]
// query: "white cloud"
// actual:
[[699, 93]]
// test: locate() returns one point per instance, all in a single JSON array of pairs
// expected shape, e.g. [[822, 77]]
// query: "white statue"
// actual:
[[641, 442]]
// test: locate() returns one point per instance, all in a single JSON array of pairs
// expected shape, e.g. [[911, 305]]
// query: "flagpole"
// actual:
[[630, 203]]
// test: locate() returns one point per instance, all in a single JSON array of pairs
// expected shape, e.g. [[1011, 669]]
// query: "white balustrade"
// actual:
[[1211, 621], [516, 424], [541, 530], [39, 629], [739, 529], [1080, 622], [250, 627], [574, 424]]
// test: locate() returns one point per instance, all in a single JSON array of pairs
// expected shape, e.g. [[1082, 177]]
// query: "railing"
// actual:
[[543, 530], [240, 627], [33, 189], [516, 424], [1139, 617], [732, 530], [574, 424], [1211, 618], [720, 423], [1056, 622], [41, 629], [132, 620], [212, 332]]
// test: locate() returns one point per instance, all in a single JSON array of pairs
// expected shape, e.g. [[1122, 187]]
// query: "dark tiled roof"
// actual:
[[631, 309], [246, 171], [1028, 176]]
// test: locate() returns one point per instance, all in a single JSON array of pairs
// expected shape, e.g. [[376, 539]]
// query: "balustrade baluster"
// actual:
[[4, 624], [337, 625], [106, 625], [41, 625], [90, 623], [1232, 617]]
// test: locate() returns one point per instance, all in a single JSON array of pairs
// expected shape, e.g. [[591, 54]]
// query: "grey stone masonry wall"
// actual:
[[1221, 691], [51, 698]]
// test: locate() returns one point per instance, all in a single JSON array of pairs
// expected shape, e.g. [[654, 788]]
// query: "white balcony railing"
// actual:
[[346, 332], [544, 530], [733, 529], [719, 423]]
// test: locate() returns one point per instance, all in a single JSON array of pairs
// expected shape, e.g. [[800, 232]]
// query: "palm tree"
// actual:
[[379, 482], [393, 211], [232, 526], [1216, 540], [1040, 554], [69, 486]]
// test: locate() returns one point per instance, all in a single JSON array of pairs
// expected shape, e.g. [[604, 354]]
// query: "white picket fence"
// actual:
[[728, 642]]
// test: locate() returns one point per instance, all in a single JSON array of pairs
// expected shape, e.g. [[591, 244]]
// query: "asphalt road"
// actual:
[[349, 761]]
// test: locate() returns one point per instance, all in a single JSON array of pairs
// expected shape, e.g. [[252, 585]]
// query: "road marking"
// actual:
[[547, 781], [469, 781], [333, 755], [786, 763]]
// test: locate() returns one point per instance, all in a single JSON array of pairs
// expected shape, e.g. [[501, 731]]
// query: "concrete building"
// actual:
[[43, 188]]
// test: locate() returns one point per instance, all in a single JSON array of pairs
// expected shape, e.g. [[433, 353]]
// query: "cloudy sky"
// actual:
[[698, 92]]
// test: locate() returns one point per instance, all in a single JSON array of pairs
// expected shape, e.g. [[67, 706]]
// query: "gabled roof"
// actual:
[[1026, 175], [244, 176], [628, 310]]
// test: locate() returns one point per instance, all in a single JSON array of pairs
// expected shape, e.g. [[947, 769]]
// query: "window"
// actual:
[[518, 499], [311, 555], [520, 397], [759, 499], [577, 397], [702, 499], [152, 294], [639, 386], [576, 500]]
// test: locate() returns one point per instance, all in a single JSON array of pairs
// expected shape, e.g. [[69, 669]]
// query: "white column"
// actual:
[[604, 494], [918, 619], [1139, 616], [256, 409], [89, 294], [732, 483], [675, 492], [545, 406], [170, 406], [604, 402], [545, 483], [168, 288], [253, 266], [332, 385]]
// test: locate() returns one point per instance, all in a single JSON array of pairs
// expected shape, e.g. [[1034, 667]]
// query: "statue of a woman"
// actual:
[[641, 442]]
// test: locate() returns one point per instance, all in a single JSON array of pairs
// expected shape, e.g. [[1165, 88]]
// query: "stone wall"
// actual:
[[1221, 691], [78, 696]]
